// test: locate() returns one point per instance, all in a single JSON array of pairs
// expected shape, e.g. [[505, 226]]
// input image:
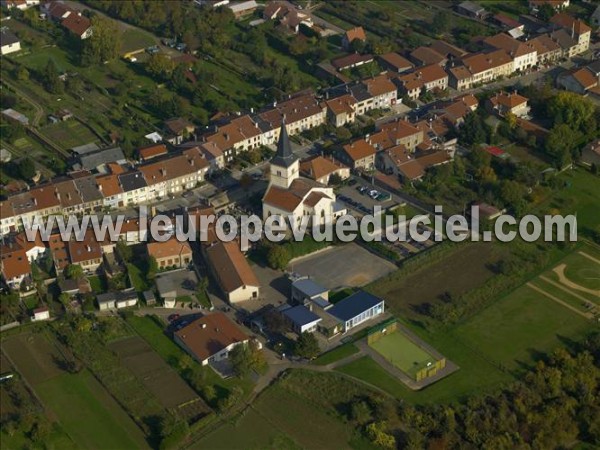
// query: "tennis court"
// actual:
[[403, 353]]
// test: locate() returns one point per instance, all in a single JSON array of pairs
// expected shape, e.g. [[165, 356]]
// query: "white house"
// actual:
[[210, 338], [9, 43]]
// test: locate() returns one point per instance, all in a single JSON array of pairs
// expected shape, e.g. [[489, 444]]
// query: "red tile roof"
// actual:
[[77, 24], [210, 334]]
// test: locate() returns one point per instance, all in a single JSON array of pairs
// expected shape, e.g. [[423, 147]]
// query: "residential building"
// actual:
[[135, 188], [480, 68], [19, 4], [356, 309], [523, 54], [400, 132], [472, 9], [151, 152], [591, 153], [39, 202], [341, 110], [582, 81], [8, 220], [86, 253], [535, 5], [548, 50], [320, 169], [304, 290], [210, 338], [595, 17], [232, 272], [240, 134], [359, 154], [395, 63], [178, 129], [111, 190], [42, 313], [9, 42], [78, 25], [171, 253], [288, 16], [357, 33], [243, 8], [577, 30], [15, 265], [351, 61], [430, 78], [175, 174], [503, 103], [211, 152], [425, 56]]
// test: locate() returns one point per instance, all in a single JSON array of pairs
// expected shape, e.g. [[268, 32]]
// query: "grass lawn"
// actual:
[[88, 413], [338, 353], [136, 39], [98, 284], [138, 278], [39, 59], [402, 352], [517, 328], [368, 370]]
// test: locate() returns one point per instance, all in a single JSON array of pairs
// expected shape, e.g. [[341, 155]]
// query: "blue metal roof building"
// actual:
[[357, 308], [301, 319]]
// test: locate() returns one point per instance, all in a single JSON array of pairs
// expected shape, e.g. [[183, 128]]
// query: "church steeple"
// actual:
[[285, 166], [285, 156]]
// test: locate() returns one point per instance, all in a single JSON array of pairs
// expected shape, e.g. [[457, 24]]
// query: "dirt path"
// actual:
[[557, 300], [560, 271], [562, 288], [585, 255]]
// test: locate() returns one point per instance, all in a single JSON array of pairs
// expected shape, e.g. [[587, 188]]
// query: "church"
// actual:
[[291, 195]]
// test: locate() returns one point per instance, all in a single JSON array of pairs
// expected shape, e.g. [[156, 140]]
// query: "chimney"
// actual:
[[163, 171], [89, 249], [203, 326]]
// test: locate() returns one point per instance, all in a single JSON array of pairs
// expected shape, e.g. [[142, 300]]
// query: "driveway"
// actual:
[[341, 266]]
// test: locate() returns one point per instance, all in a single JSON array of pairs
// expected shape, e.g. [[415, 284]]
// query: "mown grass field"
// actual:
[[402, 352]]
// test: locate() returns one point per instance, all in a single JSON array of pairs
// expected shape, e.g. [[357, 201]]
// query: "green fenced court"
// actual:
[[395, 346]]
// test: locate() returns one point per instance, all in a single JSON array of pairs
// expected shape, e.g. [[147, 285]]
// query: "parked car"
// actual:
[[362, 189], [352, 182]]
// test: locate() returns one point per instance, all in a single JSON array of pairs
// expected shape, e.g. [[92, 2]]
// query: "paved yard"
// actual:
[[343, 266]]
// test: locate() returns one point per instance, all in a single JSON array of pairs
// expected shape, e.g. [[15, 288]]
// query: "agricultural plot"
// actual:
[[99, 423], [280, 418], [159, 378], [69, 134]]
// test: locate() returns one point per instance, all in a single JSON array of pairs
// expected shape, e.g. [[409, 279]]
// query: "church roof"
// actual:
[[285, 156], [289, 199]]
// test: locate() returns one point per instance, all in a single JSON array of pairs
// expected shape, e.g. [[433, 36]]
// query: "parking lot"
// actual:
[[362, 197], [342, 266]]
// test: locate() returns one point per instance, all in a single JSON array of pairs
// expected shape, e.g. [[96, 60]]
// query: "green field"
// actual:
[[402, 352], [135, 39], [92, 418], [297, 412], [338, 353], [69, 134]]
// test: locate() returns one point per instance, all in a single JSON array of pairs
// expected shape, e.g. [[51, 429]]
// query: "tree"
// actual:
[[152, 268], [545, 12], [343, 134], [360, 412], [275, 322], [307, 346], [376, 433], [278, 257], [22, 74], [105, 42], [473, 130], [560, 143], [124, 251], [50, 80], [246, 358], [160, 66], [73, 271]]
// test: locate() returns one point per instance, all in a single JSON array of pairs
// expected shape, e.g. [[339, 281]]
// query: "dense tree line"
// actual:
[[554, 405]]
